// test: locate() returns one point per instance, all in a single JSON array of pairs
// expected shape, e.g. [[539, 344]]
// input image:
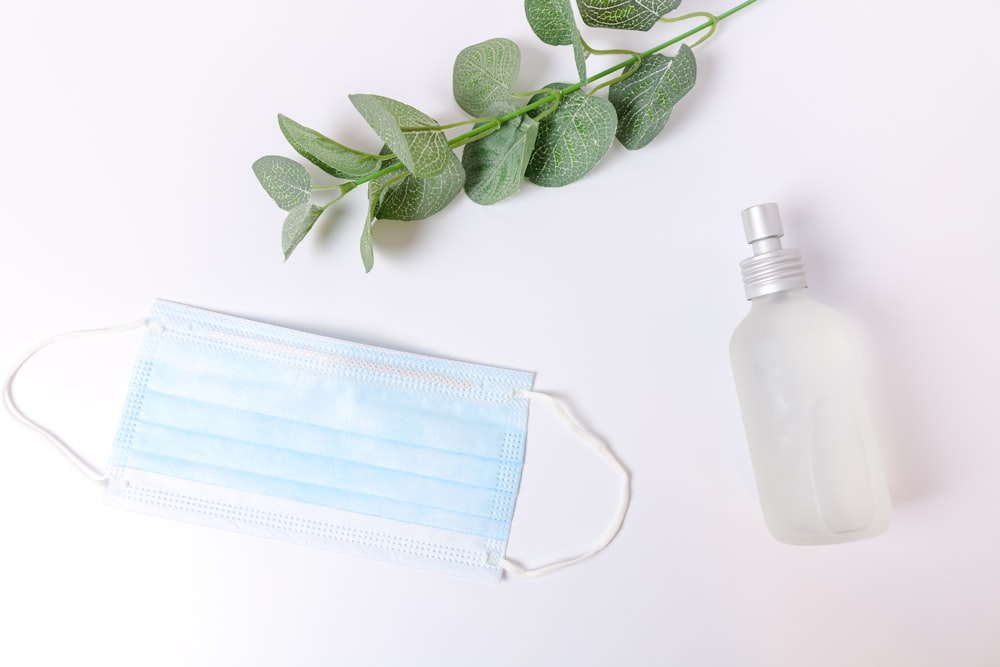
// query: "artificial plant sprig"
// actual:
[[554, 139]]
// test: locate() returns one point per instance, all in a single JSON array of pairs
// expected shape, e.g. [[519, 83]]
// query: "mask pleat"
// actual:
[[324, 398], [244, 427], [310, 469], [326, 496]]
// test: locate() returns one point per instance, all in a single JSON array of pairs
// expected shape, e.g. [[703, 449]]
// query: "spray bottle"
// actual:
[[802, 395]]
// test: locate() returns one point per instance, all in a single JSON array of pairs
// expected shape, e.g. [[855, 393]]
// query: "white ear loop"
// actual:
[[624, 497], [92, 472]]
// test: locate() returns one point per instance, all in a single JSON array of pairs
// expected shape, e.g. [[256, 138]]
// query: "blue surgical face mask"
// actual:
[[274, 432]]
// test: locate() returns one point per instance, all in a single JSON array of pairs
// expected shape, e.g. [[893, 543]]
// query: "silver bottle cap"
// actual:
[[771, 269]]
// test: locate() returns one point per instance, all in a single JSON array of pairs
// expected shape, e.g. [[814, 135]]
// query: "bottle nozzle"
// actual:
[[762, 226]]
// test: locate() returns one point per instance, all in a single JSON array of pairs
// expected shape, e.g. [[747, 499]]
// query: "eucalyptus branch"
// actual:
[[548, 96], [555, 139]]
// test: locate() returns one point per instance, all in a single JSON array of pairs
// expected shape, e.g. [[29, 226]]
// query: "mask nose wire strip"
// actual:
[[92, 472], [625, 494]]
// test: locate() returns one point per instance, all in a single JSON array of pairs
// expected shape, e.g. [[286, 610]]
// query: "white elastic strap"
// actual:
[[92, 472], [604, 450]]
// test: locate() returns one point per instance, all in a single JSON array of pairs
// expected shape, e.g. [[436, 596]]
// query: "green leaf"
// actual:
[[484, 74], [333, 158], [580, 56], [409, 133], [375, 188], [624, 14], [495, 164], [287, 181], [572, 139], [402, 196], [645, 99], [552, 21], [367, 249], [297, 224]]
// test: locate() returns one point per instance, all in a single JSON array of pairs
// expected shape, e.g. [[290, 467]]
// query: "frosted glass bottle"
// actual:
[[800, 388]]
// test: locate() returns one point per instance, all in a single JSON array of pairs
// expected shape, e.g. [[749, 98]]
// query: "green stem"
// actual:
[[711, 17], [621, 77], [344, 189], [450, 126], [606, 52], [475, 133], [490, 126]]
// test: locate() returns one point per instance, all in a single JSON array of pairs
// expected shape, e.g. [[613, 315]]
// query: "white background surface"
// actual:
[[127, 130]]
